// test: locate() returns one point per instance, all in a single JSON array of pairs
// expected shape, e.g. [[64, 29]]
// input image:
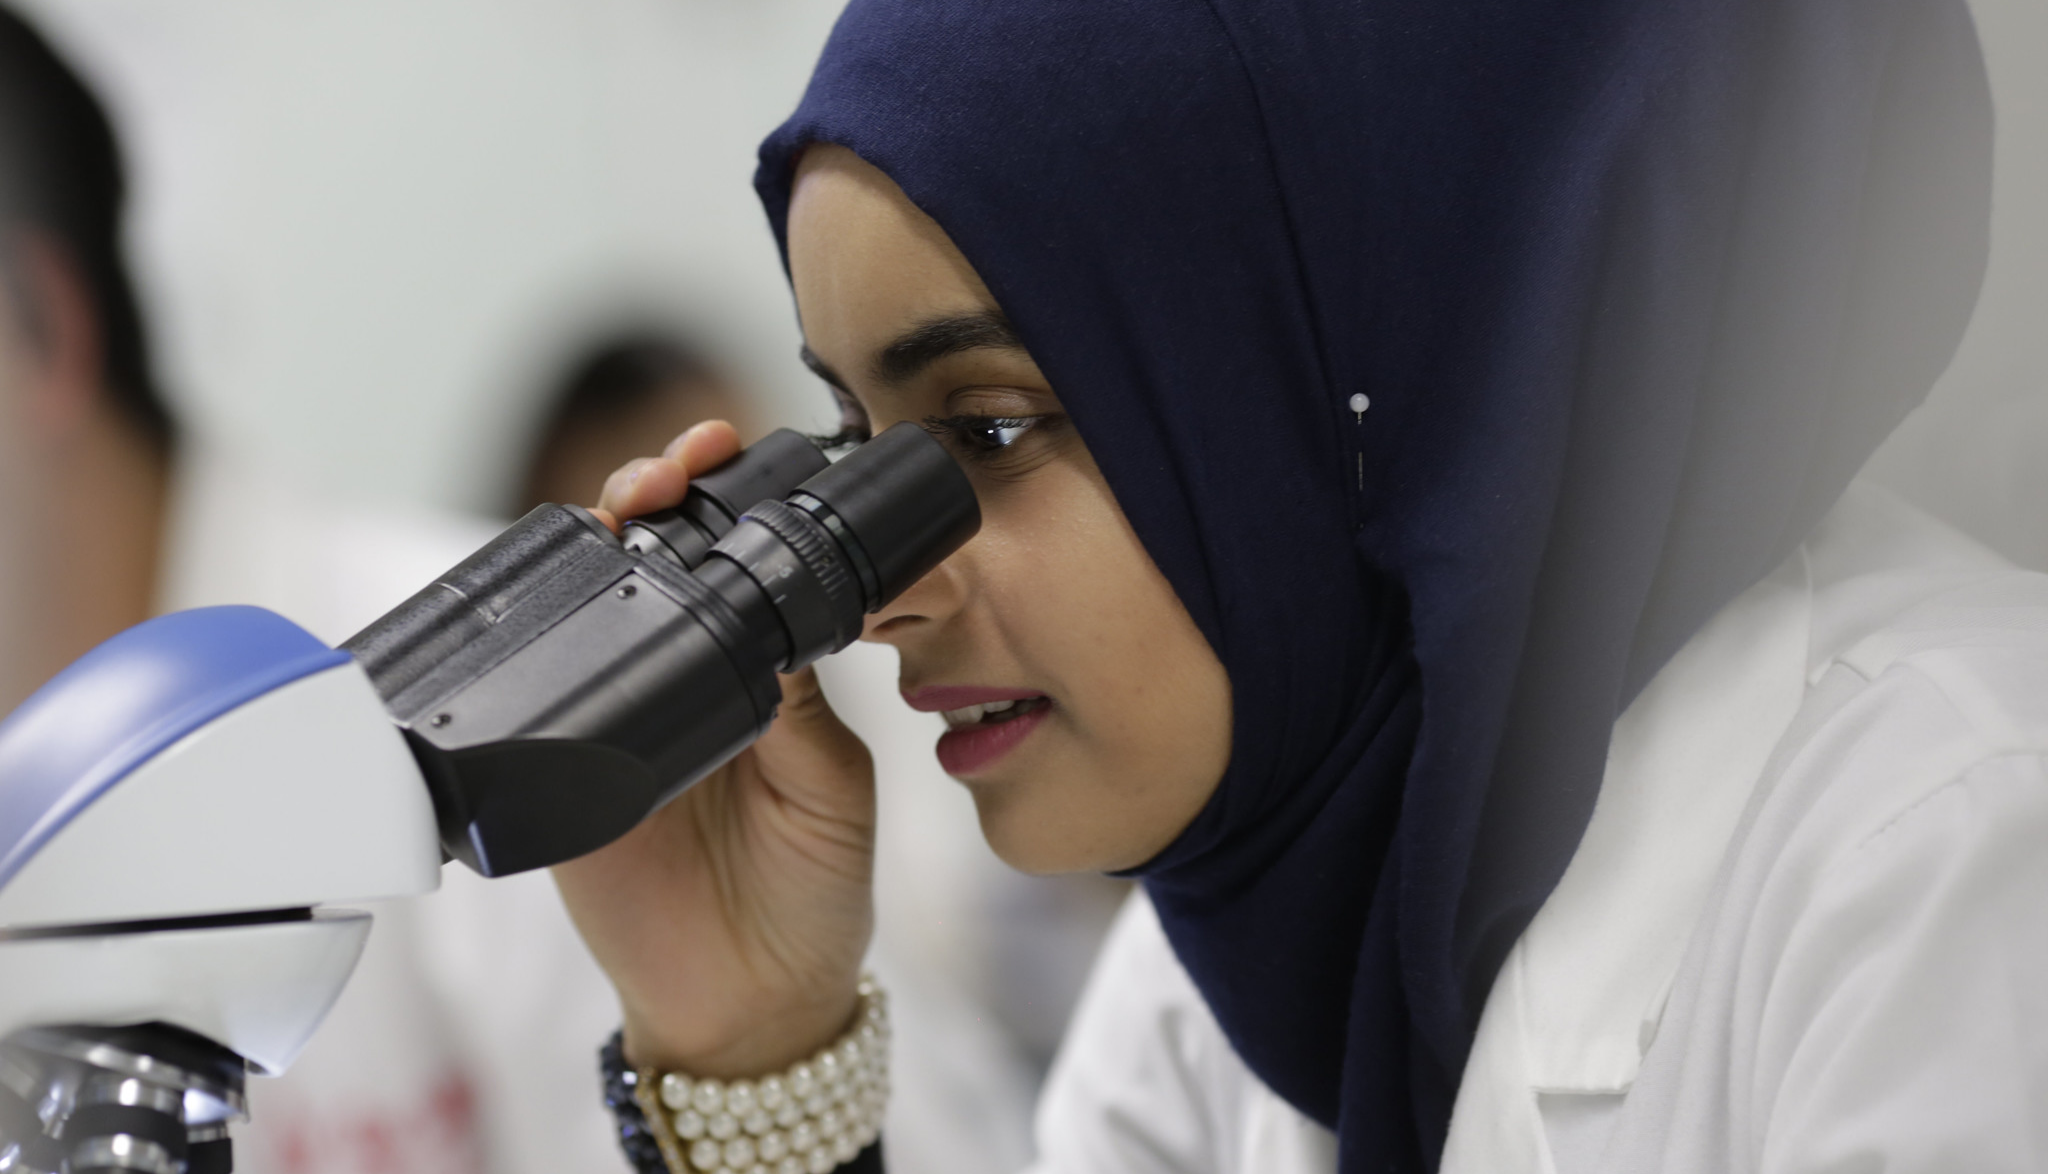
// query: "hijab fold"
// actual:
[[1631, 288]]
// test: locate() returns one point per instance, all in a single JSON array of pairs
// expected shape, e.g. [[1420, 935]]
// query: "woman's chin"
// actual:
[[1048, 830], [1054, 804]]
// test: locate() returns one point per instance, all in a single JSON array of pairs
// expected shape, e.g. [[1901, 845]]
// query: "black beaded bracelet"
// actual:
[[637, 1138]]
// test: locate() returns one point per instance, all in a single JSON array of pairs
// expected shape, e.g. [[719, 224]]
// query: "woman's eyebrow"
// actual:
[[928, 342]]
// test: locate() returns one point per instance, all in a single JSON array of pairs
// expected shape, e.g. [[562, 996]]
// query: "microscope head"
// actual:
[[179, 808], [176, 810]]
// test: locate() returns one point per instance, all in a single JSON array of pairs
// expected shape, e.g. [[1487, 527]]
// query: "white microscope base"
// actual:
[[260, 990]]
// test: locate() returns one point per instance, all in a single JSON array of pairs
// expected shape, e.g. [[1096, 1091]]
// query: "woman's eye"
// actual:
[[994, 434], [983, 436]]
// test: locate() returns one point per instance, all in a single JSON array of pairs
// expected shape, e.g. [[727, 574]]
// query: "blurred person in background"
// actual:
[[108, 514], [84, 432], [622, 390]]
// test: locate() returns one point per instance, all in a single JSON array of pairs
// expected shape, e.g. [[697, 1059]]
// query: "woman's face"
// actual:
[[1087, 714]]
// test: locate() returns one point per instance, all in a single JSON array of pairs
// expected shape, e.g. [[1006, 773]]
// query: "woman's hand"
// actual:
[[733, 921]]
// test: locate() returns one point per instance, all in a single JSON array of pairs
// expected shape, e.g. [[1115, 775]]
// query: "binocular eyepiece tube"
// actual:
[[562, 682]]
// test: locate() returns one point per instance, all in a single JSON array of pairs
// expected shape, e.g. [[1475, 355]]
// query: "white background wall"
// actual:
[[368, 228], [1978, 452]]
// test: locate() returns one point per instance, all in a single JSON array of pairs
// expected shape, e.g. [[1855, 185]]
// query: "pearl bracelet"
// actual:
[[817, 1115]]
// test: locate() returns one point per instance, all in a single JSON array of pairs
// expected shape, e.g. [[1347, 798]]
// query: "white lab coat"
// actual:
[[1806, 930], [467, 1040]]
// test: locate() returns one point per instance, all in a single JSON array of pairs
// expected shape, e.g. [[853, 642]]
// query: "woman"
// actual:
[[1368, 404]]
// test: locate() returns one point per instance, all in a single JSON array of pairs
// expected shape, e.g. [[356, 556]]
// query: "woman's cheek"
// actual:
[[1173, 698], [1144, 730]]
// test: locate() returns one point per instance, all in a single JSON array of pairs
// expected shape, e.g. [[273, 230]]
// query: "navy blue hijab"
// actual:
[[1630, 289]]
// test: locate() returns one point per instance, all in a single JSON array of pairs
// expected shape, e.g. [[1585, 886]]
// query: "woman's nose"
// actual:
[[929, 601]]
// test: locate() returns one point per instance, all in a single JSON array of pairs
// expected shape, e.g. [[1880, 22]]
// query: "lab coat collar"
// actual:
[[1590, 976], [1581, 996]]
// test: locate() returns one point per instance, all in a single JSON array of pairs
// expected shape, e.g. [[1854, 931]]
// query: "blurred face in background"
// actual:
[[36, 423], [588, 435], [82, 485], [17, 497]]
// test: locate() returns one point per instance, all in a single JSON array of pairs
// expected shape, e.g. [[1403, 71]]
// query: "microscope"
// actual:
[[183, 809]]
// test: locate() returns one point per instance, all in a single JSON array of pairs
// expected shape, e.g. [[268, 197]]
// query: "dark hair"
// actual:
[[620, 372], [61, 173]]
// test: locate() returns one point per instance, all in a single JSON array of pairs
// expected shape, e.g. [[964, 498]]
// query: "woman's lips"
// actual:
[[986, 723], [939, 698]]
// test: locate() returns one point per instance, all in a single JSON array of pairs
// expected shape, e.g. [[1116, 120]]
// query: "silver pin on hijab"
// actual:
[[1359, 403]]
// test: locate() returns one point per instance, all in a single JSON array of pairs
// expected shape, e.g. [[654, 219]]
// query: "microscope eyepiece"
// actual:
[[899, 498], [561, 683], [898, 514]]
